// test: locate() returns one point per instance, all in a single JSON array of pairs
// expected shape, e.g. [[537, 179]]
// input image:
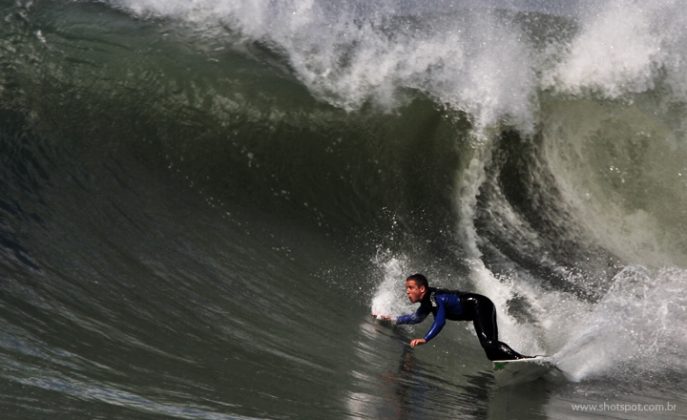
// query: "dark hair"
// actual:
[[419, 279]]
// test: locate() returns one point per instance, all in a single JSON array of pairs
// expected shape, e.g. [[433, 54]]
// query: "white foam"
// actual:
[[389, 299], [616, 52], [466, 55], [349, 54], [638, 327]]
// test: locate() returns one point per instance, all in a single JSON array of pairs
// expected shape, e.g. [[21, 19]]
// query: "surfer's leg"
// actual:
[[487, 330]]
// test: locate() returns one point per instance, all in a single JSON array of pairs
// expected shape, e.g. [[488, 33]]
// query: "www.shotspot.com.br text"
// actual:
[[625, 407]]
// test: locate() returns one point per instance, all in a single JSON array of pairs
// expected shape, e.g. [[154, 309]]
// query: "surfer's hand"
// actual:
[[381, 317], [417, 342]]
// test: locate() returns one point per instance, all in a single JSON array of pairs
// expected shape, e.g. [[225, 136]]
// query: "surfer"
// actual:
[[456, 306]]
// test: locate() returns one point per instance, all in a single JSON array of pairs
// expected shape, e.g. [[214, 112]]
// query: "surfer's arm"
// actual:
[[409, 319], [414, 318], [439, 321]]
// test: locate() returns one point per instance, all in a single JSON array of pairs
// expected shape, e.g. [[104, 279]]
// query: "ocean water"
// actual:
[[203, 201]]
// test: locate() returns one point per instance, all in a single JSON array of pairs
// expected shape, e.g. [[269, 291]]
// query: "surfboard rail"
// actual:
[[511, 372]]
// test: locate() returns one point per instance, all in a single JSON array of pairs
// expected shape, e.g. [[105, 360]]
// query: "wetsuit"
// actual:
[[459, 306]]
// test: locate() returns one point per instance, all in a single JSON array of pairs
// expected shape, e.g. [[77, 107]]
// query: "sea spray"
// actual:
[[637, 328], [389, 298]]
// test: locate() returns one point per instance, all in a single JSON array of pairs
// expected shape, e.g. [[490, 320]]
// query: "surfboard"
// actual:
[[512, 372]]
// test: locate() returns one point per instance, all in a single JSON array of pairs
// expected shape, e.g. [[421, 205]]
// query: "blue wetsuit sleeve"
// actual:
[[439, 320], [409, 319], [414, 318]]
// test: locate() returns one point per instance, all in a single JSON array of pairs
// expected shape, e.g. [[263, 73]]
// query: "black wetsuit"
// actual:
[[459, 306]]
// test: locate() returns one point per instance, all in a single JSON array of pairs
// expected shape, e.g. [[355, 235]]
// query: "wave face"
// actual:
[[202, 201]]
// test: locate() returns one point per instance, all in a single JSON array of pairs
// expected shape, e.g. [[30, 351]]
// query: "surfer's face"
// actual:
[[414, 292]]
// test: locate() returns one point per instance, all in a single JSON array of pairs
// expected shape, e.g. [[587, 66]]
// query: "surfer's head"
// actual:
[[416, 287]]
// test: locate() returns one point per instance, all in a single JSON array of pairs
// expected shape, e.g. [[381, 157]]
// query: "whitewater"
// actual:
[[202, 203]]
